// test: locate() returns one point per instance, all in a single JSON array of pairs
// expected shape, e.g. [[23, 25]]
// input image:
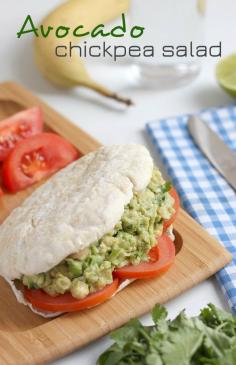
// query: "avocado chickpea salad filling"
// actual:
[[129, 243]]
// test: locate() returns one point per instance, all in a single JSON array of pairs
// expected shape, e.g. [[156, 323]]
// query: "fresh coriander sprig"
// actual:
[[208, 339]]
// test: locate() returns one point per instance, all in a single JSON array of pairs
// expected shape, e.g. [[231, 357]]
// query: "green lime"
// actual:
[[226, 74]]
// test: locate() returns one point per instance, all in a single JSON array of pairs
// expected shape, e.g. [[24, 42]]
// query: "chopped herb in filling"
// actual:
[[128, 243]]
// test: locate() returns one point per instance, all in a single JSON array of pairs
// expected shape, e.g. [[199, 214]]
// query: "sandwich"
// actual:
[[92, 228]]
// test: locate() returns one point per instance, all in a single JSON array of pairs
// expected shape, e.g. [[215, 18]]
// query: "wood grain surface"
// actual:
[[27, 339]]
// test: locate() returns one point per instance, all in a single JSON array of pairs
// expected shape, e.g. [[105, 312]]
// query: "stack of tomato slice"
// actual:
[[28, 154], [161, 258]]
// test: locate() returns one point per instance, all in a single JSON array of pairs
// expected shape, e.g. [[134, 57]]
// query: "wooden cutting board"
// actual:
[[26, 338]]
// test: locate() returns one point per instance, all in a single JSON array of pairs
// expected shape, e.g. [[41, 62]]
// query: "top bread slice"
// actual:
[[76, 207]]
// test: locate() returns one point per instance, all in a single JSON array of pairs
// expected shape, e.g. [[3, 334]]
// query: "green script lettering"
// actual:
[[120, 27], [62, 31], [33, 29], [99, 30], [77, 34], [139, 30]]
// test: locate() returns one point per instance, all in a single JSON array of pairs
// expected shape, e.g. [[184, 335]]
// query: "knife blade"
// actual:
[[213, 147]]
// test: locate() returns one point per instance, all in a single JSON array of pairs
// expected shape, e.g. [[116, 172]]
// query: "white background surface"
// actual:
[[110, 123]]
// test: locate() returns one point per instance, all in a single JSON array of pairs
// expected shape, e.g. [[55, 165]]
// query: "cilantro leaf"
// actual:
[[127, 333], [181, 346], [209, 339], [158, 313], [166, 187]]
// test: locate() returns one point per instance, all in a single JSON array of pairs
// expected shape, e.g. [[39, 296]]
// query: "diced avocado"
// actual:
[[34, 281], [75, 267]]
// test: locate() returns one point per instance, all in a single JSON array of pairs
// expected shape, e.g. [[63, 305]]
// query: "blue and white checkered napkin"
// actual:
[[204, 193]]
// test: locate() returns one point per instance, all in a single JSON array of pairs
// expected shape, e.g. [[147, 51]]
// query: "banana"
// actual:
[[71, 72]]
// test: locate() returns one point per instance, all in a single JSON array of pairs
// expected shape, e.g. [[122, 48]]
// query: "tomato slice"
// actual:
[[66, 303], [170, 221], [20, 126], [36, 158], [161, 258], [1, 192]]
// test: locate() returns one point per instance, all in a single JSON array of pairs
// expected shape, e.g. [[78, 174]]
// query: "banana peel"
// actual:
[[71, 72]]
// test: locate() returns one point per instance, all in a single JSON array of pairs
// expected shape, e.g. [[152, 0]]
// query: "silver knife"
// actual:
[[217, 152]]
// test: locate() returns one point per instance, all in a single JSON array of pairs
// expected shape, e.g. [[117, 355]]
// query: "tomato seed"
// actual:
[[33, 162]]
